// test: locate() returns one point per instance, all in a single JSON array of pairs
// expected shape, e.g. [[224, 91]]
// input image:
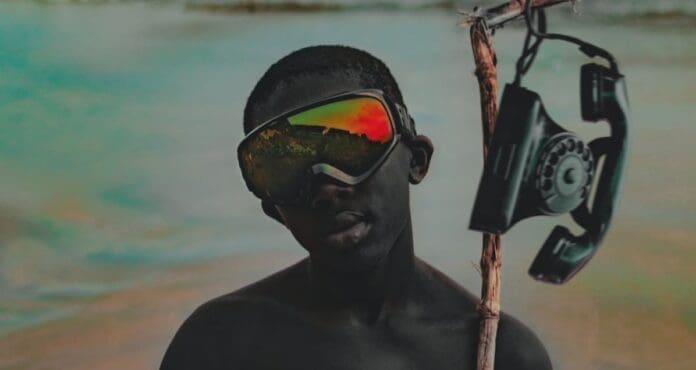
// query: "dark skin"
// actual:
[[361, 300]]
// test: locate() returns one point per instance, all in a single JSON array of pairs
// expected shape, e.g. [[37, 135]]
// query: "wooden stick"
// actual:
[[491, 255], [490, 263]]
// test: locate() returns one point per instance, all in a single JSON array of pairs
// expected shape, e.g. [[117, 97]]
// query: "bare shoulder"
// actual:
[[230, 328], [445, 295], [518, 347]]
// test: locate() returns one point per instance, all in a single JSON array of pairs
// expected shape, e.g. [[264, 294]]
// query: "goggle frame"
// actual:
[[403, 127]]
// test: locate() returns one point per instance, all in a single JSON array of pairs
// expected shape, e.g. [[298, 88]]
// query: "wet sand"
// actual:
[[633, 307], [131, 329], [627, 322]]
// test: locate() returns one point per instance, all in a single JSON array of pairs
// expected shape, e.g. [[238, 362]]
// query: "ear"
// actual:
[[270, 210], [421, 154]]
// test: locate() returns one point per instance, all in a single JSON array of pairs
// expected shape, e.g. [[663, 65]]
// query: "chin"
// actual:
[[364, 257], [354, 251]]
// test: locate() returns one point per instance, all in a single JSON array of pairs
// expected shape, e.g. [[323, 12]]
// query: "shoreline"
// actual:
[[253, 7], [656, 16]]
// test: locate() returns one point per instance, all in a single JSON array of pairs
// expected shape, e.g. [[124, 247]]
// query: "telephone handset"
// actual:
[[603, 97], [536, 167]]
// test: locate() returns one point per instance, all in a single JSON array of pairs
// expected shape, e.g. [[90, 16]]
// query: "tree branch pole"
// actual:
[[491, 254], [489, 307]]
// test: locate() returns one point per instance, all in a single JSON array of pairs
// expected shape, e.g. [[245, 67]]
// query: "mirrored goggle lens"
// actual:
[[350, 135]]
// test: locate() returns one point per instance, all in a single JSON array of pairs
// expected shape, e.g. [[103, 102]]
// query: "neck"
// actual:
[[369, 295]]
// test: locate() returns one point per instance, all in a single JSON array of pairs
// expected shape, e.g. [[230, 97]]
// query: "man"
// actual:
[[331, 151]]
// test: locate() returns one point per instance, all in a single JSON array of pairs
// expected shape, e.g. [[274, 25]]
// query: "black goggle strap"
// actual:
[[407, 124]]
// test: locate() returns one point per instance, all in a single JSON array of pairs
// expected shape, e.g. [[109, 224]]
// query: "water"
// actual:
[[119, 124]]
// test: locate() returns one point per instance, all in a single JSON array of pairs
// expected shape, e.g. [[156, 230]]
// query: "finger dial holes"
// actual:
[[564, 173]]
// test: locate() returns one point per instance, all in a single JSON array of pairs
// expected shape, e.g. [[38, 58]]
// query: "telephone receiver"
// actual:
[[603, 97], [536, 167]]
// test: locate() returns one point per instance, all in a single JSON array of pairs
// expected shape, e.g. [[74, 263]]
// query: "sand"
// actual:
[[131, 329], [623, 323]]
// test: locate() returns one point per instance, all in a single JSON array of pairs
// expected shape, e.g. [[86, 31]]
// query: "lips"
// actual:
[[346, 229], [344, 220]]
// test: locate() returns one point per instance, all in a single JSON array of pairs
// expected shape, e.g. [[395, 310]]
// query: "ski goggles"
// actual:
[[346, 137]]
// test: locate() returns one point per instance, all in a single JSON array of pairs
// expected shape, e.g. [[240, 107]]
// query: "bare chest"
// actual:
[[407, 346]]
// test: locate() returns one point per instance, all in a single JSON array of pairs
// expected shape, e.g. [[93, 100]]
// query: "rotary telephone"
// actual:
[[536, 167]]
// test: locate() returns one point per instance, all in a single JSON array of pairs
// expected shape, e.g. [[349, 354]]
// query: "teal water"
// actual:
[[119, 125]]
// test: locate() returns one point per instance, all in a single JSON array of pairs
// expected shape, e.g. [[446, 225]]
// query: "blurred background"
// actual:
[[122, 207]]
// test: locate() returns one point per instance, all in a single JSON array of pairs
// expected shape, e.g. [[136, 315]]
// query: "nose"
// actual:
[[328, 192]]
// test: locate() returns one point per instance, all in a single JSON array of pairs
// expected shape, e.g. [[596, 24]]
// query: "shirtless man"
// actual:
[[361, 299]]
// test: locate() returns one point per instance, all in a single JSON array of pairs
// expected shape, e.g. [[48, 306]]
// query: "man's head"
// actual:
[[344, 227]]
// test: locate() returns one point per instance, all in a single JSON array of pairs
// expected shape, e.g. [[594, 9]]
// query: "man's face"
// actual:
[[343, 227]]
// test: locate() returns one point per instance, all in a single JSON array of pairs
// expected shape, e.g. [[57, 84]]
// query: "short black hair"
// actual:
[[323, 60]]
